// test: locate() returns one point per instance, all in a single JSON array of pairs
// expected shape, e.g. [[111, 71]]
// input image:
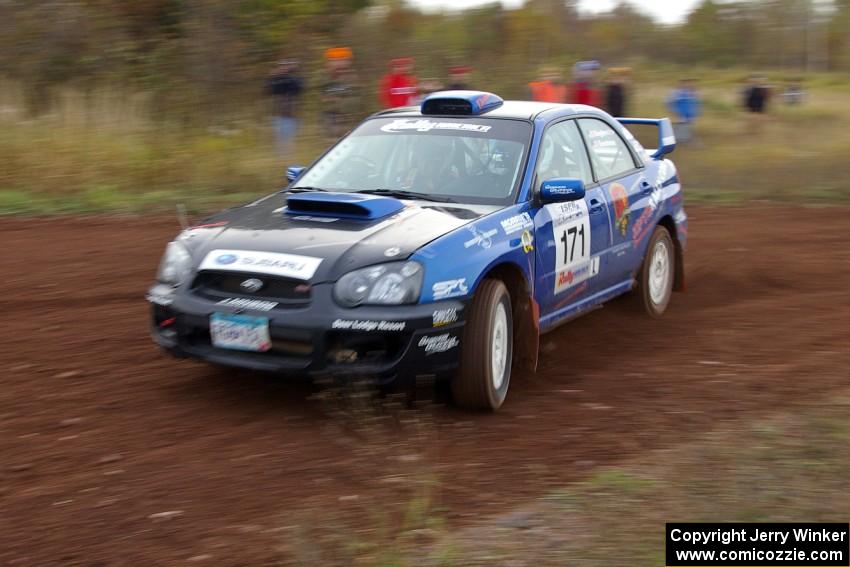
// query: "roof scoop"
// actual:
[[459, 103], [342, 205]]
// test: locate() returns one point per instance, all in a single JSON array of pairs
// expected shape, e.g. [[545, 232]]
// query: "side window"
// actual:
[[562, 154], [608, 151]]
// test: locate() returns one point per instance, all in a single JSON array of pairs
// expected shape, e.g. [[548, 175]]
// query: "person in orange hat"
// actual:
[[398, 87], [340, 92]]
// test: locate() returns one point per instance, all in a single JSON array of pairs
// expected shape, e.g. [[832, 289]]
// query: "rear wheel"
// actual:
[[482, 379], [655, 282]]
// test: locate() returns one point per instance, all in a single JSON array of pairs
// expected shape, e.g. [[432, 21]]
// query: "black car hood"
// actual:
[[342, 244]]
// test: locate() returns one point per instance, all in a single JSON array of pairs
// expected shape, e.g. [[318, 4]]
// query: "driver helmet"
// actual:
[[503, 157]]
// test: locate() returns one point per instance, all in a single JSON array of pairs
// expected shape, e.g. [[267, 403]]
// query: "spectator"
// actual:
[[616, 91], [584, 90], [426, 87], [794, 92], [684, 103], [285, 86], [756, 96], [340, 92], [398, 87], [549, 88], [459, 78]]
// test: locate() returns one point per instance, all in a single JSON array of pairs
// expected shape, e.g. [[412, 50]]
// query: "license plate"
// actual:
[[240, 332]]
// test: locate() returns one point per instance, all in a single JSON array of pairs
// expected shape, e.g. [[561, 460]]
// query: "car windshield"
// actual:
[[461, 159]]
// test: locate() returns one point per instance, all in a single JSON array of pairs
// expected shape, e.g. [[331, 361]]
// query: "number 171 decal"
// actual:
[[571, 231]]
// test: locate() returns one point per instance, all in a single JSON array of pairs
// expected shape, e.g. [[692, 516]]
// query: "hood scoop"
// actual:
[[342, 205]]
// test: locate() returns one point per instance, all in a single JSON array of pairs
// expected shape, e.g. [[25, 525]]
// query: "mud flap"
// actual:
[[679, 276], [528, 334]]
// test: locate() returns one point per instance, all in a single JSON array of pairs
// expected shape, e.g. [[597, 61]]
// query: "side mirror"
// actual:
[[293, 172], [560, 190]]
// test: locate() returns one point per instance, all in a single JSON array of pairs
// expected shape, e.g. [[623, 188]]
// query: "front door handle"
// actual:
[[645, 187], [595, 207]]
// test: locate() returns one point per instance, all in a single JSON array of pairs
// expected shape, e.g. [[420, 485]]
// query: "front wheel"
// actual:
[[482, 379], [655, 282]]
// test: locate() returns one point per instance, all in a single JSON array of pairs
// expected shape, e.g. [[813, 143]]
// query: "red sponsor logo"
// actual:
[[566, 278], [642, 224]]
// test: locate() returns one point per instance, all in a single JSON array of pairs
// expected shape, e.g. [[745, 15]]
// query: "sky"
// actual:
[[666, 11]]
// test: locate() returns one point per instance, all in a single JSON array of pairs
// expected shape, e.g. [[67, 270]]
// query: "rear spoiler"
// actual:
[[666, 137]]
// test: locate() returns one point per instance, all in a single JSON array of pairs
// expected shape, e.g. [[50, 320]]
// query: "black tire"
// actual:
[[653, 297], [474, 385]]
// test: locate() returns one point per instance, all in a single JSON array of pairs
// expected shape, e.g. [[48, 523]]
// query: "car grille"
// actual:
[[220, 285]]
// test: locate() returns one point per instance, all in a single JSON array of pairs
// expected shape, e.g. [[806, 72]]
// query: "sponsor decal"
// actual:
[[517, 223], [449, 288], [314, 219], [358, 325], [562, 213], [573, 276], [422, 125], [642, 225], [621, 248], [443, 317], [560, 189], [680, 216], [438, 343], [482, 239], [620, 199], [656, 197], [253, 304], [286, 265], [663, 171], [576, 292], [527, 241]]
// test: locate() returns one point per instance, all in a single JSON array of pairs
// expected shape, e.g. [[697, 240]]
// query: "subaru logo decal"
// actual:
[[226, 259], [252, 285]]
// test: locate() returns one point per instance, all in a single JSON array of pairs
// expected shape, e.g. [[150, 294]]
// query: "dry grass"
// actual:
[[110, 150], [779, 468]]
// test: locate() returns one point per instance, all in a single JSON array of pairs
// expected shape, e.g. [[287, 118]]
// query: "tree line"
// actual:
[[213, 54]]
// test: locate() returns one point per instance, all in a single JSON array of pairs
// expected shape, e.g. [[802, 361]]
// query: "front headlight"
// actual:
[[394, 283], [176, 264]]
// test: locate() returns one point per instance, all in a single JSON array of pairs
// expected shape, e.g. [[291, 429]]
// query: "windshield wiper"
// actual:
[[401, 194]]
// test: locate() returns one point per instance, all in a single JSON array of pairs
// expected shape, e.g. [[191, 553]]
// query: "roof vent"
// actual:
[[460, 103]]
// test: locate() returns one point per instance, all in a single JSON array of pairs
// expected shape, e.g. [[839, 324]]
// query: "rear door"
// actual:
[[572, 237], [624, 188]]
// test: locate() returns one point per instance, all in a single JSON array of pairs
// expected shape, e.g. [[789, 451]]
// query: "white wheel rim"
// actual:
[[659, 273], [499, 346]]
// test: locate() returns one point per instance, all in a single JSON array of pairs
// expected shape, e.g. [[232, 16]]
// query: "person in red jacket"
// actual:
[[584, 89], [398, 87]]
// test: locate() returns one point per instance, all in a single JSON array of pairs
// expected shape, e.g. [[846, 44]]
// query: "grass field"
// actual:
[[106, 151]]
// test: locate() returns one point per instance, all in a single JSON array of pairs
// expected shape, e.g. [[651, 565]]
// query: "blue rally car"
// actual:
[[439, 240]]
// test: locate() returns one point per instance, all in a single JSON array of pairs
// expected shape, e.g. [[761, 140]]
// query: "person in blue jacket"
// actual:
[[684, 103]]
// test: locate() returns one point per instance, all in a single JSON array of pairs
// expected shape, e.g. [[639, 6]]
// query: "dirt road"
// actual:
[[114, 454]]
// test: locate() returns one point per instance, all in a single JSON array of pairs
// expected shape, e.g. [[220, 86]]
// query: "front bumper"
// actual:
[[383, 342]]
